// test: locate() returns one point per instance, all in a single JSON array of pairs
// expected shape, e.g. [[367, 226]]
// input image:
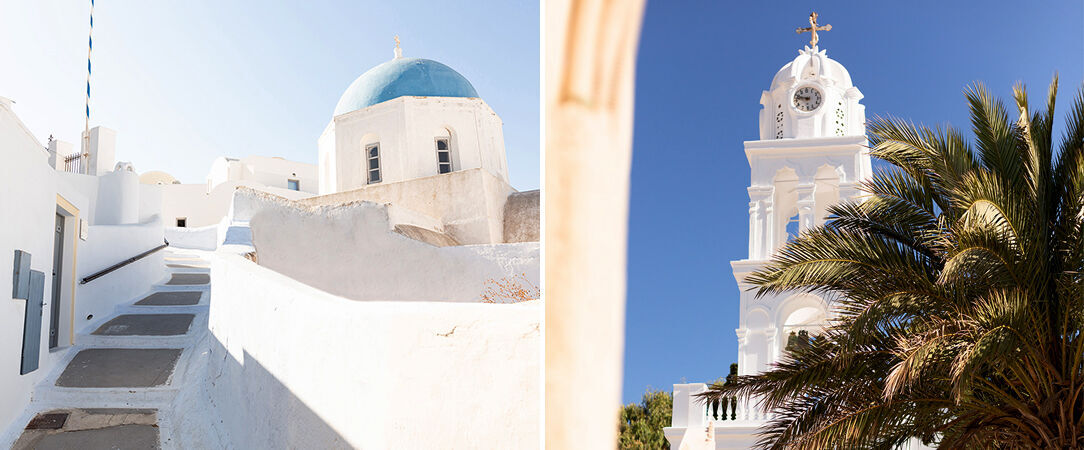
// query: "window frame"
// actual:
[[182, 222], [447, 143], [368, 164], [296, 183]]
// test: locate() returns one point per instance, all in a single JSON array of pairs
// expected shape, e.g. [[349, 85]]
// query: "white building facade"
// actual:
[[408, 118], [196, 205], [812, 153]]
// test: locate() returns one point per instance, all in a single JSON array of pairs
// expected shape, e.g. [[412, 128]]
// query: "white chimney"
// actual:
[[102, 150], [58, 150]]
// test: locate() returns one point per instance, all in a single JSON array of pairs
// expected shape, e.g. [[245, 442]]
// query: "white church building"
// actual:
[[812, 153], [278, 304]]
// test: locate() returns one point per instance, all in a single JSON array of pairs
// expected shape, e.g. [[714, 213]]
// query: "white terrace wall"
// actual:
[[470, 203], [108, 245], [351, 250], [200, 238], [296, 367]]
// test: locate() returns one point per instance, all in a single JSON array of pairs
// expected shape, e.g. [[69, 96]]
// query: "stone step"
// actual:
[[109, 335], [172, 298], [98, 341], [120, 367], [55, 397], [92, 428], [146, 325], [188, 279]]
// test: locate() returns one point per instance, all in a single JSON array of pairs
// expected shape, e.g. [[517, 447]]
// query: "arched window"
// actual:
[[443, 143], [793, 227], [801, 318], [372, 154], [785, 218], [444, 156]]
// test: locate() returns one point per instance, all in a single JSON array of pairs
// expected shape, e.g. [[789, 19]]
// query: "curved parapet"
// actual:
[[370, 251]]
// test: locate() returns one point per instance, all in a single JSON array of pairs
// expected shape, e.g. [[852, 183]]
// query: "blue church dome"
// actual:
[[404, 76]]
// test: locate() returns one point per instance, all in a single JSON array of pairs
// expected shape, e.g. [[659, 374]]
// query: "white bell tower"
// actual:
[[812, 153]]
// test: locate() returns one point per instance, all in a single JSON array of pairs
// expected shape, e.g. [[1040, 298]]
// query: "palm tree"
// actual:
[[958, 290]]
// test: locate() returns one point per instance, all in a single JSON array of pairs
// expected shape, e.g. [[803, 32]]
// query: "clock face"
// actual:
[[807, 98]]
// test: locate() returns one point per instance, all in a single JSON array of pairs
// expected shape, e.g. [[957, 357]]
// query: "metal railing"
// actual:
[[116, 266], [74, 162]]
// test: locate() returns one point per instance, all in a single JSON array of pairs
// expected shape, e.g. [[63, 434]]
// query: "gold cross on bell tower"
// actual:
[[814, 28]]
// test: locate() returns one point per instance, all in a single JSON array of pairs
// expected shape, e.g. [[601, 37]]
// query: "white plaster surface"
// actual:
[[351, 250], [118, 198], [108, 245], [272, 172], [201, 208], [33, 209], [296, 367], [102, 152], [406, 129], [200, 238], [469, 203]]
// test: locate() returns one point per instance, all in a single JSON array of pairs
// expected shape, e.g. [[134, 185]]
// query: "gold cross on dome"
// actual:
[[397, 41], [813, 28]]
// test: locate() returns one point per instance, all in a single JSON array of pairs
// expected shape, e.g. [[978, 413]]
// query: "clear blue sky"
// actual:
[[701, 69], [185, 82]]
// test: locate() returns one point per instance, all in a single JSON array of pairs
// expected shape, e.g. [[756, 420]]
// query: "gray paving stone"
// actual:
[[120, 367], [189, 278], [135, 437], [146, 325], [178, 298]]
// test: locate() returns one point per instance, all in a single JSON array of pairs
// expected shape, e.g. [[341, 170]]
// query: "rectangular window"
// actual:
[[182, 222], [373, 153], [444, 156], [293, 185]]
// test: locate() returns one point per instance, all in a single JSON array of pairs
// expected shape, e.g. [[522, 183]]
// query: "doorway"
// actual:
[[58, 265]]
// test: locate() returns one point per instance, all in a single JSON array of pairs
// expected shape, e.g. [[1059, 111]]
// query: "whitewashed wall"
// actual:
[[201, 208], [118, 198], [150, 202], [107, 245], [29, 219], [296, 367], [470, 203], [200, 238], [351, 250], [268, 171], [406, 128]]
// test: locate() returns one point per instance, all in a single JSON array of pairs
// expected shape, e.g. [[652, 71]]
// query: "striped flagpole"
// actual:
[[86, 125]]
